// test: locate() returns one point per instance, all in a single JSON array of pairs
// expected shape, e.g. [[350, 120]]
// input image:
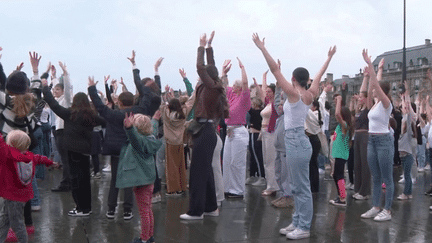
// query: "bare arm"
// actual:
[[314, 88], [373, 82], [287, 87], [225, 69], [260, 92], [244, 76], [380, 70]]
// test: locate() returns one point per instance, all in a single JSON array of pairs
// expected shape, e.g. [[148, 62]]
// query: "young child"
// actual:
[[340, 150], [137, 169], [14, 192]]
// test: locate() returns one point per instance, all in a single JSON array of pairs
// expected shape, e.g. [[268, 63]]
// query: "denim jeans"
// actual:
[[380, 158], [421, 153], [407, 162], [298, 154]]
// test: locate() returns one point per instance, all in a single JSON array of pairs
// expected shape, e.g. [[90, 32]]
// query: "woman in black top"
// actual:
[[256, 165], [79, 119]]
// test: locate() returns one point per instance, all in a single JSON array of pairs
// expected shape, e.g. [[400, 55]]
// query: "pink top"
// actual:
[[239, 105]]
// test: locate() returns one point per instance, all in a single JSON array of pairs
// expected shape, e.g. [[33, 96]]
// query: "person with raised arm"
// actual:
[[380, 146], [236, 142], [298, 147], [62, 92], [209, 106], [269, 115], [362, 175], [79, 121]]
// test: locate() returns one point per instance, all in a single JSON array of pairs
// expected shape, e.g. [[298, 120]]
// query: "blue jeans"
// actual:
[[380, 158], [298, 154], [407, 162]]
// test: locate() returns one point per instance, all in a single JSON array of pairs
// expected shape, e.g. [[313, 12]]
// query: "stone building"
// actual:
[[418, 61]]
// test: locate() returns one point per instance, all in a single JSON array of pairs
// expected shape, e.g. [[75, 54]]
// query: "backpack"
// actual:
[[25, 172]]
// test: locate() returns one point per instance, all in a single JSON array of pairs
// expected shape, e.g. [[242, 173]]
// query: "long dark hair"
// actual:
[[316, 104], [175, 105], [81, 108], [346, 116]]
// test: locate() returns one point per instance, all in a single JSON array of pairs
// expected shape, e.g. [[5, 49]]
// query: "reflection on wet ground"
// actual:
[[251, 219]]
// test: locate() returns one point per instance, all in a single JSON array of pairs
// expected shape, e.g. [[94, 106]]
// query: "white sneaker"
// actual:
[[36, 208], [260, 182], [156, 199], [349, 186], [289, 228], [321, 171], [427, 167], [212, 214], [360, 197], [298, 234], [384, 215], [107, 168], [371, 213], [186, 216], [430, 207], [404, 197], [420, 169], [401, 181], [414, 180], [250, 180]]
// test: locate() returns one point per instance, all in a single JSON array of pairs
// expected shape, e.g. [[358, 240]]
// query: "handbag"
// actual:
[[194, 128]]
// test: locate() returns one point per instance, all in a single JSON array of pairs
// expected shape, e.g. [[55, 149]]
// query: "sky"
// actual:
[[94, 38]]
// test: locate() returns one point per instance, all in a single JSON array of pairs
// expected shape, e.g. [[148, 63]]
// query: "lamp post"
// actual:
[[404, 49]]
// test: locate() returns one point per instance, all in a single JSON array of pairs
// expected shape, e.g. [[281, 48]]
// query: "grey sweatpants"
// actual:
[[12, 216]]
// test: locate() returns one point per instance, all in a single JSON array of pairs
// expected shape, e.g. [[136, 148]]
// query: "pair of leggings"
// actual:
[[339, 178], [143, 196]]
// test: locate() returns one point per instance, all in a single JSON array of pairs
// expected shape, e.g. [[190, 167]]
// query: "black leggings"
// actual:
[[313, 163]]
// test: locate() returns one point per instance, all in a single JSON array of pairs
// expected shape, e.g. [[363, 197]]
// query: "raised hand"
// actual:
[[20, 66], [260, 44], [129, 120], [381, 64], [366, 71], [63, 67], [48, 68], [91, 81], [121, 81], [255, 82], [106, 78], [210, 40], [157, 115], [167, 88], [332, 51], [158, 63], [203, 40], [240, 63], [53, 71], [132, 59], [34, 60], [226, 66], [366, 57], [182, 73]]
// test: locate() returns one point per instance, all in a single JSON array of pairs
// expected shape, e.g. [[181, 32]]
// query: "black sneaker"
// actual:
[[232, 195], [338, 202], [127, 215], [429, 192], [75, 213], [110, 214]]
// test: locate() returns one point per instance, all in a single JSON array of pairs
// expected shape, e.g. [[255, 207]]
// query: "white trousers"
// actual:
[[217, 170], [269, 157], [234, 161]]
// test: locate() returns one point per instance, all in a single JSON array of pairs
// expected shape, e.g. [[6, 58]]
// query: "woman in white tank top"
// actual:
[[298, 147]]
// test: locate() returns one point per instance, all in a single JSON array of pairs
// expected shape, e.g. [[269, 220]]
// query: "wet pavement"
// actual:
[[251, 219]]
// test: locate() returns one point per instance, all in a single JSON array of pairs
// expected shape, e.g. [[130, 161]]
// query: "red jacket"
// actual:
[[10, 185]]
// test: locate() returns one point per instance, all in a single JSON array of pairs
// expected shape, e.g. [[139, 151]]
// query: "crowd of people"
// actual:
[[288, 133]]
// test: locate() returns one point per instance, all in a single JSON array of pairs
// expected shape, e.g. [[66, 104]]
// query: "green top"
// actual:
[[340, 147], [189, 90], [136, 166]]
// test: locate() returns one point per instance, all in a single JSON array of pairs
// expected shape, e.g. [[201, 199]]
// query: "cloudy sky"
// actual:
[[95, 37]]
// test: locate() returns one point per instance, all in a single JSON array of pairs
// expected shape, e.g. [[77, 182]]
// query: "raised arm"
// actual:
[[188, 84], [380, 70], [2, 76], [34, 60], [225, 69], [338, 113], [260, 92], [66, 84], [209, 50], [59, 110], [287, 87], [373, 82], [124, 88], [314, 88], [244, 78]]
